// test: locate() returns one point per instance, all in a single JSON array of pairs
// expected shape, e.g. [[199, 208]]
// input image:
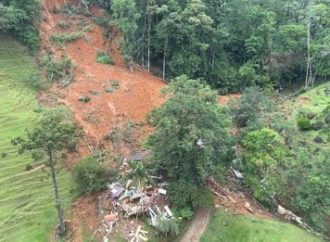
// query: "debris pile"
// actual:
[[119, 204]]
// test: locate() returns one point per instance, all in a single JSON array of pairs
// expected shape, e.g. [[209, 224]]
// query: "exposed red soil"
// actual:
[[224, 100], [138, 94]]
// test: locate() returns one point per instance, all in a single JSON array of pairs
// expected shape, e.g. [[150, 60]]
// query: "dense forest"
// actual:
[[270, 140], [231, 44]]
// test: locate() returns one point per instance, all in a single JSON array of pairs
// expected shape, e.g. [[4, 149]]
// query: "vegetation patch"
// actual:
[[62, 38], [104, 58], [113, 87], [226, 227], [58, 69]]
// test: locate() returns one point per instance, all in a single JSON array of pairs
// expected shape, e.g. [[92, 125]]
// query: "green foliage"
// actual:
[[167, 226], [60, 70], [90, 175], [229, 44], [308, 183], [184, 213], [54, 131], [252, 108], [104, 58], [138, 172], [22, 19], [186, 195], [191, 135], [264, 153], [303, 123], [62, 38], [125, 15]]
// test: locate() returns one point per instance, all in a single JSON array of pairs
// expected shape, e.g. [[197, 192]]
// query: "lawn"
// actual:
[[239, 228], [27, 210]]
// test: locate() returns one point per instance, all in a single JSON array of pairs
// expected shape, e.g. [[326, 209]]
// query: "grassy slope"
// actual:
[[314, 100], [237, 228], [26, 200]]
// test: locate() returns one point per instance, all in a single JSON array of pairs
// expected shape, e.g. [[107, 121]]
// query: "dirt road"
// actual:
[[197, 226]]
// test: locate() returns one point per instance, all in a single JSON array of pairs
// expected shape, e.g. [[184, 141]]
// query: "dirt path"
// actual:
[[197, 226]]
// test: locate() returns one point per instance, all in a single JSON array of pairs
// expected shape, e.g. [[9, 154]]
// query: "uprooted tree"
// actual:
[[54, 132], [190, 141]]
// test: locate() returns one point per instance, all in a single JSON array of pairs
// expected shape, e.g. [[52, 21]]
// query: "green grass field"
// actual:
[[225, 227], [27, 212]]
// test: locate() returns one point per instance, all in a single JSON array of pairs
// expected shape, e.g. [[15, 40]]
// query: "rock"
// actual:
[[248, 207], [310, 115], [318, 140], [281, 210]]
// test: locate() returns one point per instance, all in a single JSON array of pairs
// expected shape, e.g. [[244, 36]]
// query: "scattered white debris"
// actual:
[[162, 191]]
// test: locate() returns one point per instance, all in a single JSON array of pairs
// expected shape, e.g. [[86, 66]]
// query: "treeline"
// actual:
[[231, 44], [21, 18]]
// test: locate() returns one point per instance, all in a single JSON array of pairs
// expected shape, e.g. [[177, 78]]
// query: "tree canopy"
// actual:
[[232, 44], [191, 139]]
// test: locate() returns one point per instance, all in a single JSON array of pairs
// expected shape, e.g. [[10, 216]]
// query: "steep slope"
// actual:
[[138, 92]]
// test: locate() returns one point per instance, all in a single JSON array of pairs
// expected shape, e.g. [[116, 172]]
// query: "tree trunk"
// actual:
[[58, 205], [309, 68], [149, 40], [164, 58]]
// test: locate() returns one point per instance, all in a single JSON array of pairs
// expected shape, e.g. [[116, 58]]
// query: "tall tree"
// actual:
[[54, 132], [126, 15], [191, 137]]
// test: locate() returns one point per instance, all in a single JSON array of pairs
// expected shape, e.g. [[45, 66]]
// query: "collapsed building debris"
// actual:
[[122, 202], [139, 235]]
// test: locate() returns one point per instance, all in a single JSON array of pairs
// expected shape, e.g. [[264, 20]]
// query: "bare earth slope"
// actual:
[[139, 91]]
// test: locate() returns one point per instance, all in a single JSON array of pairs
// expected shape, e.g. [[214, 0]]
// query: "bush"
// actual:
[[90, 176], [184, 194], [61, 70], [22, 19], [84, 99], [104, 58], [264, 153], [114, 86], [251, 108], [67, 37], [304, 123]]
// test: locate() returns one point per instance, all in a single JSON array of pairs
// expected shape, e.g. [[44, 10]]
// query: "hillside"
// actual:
[[165, 159], [27, 210]]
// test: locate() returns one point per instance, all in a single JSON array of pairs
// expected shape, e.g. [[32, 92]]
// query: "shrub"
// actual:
[[167, 226], [103, 22], [90, 176], [304, 123], [114, 86], [84, 99], [104, 58], [63, 24], [67, 37], [264, 153], [251, 108], [61, 70], [184, 194]]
